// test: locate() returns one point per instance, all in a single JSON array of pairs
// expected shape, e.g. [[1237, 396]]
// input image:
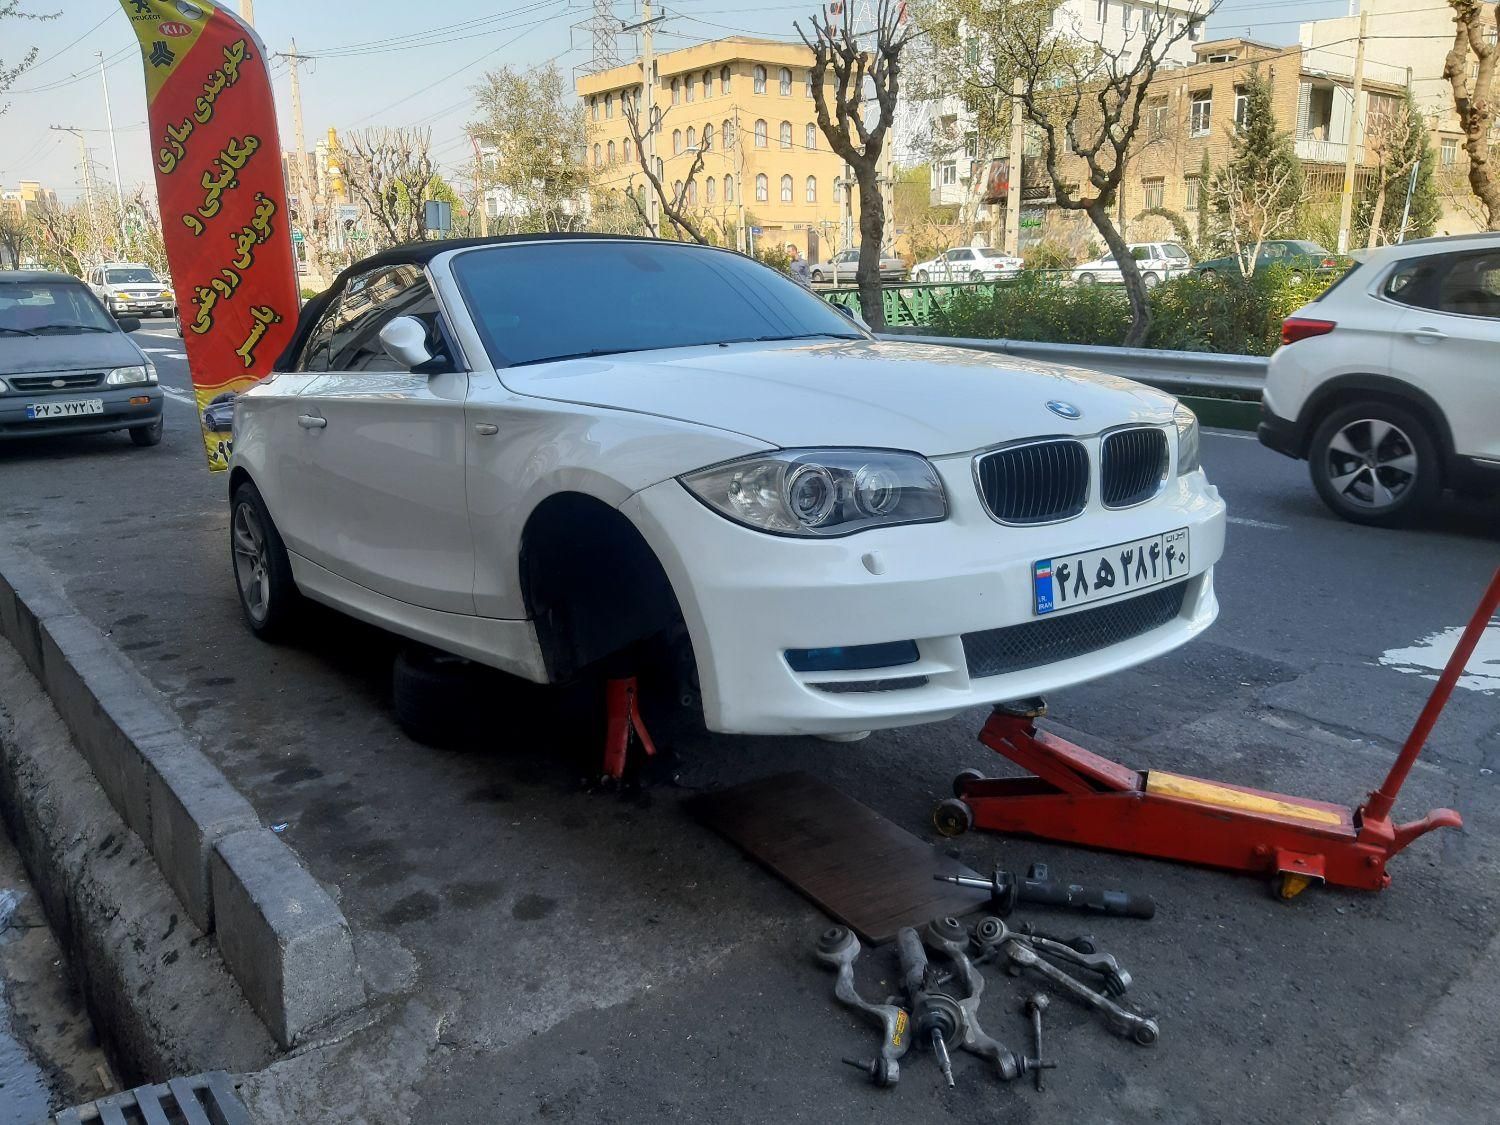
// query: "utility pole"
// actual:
[[294, 61], [1013, 175], [1353, 133], [109, 119], [247, 11], [647, 28], [480, 200], [88, 181]]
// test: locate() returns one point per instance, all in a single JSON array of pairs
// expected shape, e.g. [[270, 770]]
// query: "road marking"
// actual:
[[1265, 526], [1231, 433], [1428, 657], [180, 396]]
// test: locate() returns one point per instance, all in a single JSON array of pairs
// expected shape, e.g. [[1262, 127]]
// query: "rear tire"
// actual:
[[268, 594], [1086, 279], [922, 277], [1151, 281], [148, 435], [1375, 463], [435, 695]]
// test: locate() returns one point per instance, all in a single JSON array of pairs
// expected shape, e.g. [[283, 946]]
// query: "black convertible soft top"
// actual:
[[421, 253]]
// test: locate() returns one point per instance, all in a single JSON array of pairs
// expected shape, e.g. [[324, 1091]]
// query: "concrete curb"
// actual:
[[282, 935]]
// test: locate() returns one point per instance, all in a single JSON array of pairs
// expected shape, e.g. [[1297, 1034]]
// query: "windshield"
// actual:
[[26, 309], [540, 301], [131, 277]]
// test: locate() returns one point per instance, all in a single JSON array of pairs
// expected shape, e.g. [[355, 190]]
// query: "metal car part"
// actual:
[[1142, 1029], [839, 948]]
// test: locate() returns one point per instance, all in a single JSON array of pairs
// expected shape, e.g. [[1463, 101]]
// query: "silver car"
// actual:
[[132, 289]]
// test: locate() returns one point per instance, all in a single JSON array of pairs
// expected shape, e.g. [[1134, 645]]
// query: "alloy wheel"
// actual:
[[1371, 463], [252, 567]]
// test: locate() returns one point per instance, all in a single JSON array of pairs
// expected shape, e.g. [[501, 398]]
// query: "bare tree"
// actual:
[[1085, 103], [1255, 209], [855, 70], [1470, 69], [391, 173], [673, 201], [15, 236], [59, 236]]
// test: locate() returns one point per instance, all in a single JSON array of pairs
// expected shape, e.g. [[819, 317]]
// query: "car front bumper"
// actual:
[[748, 597], [120, 413], [136, 306]]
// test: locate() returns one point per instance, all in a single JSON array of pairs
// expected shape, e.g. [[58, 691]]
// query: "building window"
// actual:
[[1241, 107], [689, 88], [971, 146], [676, 142], [786, 189], [598, 155], [812, 189], [810, 137], [726, 131], [692, 190], [1202, 113], [1449, 152], [786, 82], [629, 149], [676, 91], [692, 138], [948, 173], [710, 191], [809, 83], [760, 134], [1195, 31], [760, 80], [609, 106], [594, 108], [1156, 116], [1153, 192], [1193, 185], [1101, 11], [728, 189], [786, 134], [708, 137], [762, 188], [723, 80], [677, 191], [708, 84], [1125, 16], [661, 168], [611, 152]]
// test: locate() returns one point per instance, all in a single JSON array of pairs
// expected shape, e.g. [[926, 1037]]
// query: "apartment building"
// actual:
[[1405, 40], [1193, 111], [747, 104]]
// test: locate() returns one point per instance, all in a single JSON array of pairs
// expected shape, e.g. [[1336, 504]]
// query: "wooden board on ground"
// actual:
[[868, 873]]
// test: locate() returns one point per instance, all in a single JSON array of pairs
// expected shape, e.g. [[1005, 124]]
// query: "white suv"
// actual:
[[550, 454], [1389, 383]]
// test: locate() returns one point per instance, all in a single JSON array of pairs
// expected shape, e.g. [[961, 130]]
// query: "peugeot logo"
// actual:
[[1065, 410]]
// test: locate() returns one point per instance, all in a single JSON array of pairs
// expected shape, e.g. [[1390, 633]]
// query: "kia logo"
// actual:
[[1065, 410], [176, 30]]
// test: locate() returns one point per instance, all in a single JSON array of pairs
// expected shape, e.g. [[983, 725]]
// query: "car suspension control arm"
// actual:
[[1142, 1029], [838, 948]]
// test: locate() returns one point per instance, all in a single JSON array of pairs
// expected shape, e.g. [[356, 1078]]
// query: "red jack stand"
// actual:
[[623, 723], [1078, 797]]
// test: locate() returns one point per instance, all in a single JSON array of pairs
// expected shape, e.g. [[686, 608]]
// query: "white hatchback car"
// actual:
[[545, 453], [1389, 383]]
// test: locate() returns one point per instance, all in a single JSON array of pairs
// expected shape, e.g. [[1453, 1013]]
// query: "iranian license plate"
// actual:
[[1110, 572], [68, 408]]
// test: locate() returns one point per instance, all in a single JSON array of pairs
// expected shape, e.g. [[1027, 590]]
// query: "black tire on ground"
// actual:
[[1151, 280], [922, 277], [436, 695], [1086, 279], [816, 277], [1395, 484], [976, 275], [1208, 275], [253, 538], [149, 434]]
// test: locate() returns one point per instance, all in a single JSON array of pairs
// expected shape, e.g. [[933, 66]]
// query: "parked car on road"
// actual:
[[968, 263], [842, 268], [838, 532], [67, 366], [132, 289], [1389, 383], [1157, 261], [1301, 257]]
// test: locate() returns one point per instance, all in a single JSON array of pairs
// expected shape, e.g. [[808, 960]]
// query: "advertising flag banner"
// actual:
[[224, 214]]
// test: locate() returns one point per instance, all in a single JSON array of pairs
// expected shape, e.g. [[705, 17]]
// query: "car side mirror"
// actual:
[[129, 323], [405, 340]]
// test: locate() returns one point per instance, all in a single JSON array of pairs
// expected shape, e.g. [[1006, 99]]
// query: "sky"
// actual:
[[375, 62]]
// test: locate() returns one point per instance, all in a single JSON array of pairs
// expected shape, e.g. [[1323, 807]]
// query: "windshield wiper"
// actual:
[[68, 328], [590, 354], [798, 336], [17, 331]]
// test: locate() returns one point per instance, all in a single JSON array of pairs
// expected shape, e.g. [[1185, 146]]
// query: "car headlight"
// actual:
[[822, 493], [130, 376], [1188, 457]]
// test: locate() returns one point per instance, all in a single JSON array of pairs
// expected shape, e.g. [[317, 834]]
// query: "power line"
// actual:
[[435, 37], [45, 59]]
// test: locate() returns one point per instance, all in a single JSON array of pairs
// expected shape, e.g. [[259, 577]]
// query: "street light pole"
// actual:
[[247, 11], [1351, 134], [109, 119]]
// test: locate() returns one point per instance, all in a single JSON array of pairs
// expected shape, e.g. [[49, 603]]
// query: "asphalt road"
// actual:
[[538, 952]]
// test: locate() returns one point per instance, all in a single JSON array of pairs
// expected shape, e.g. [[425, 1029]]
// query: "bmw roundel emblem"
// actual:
[[1065, 410]]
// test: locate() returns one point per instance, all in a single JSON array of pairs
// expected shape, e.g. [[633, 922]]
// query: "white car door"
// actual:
[[384, 453], [957, 264], [1447, 341]]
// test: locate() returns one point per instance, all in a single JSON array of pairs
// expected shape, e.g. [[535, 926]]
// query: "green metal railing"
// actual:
[[907, 305]]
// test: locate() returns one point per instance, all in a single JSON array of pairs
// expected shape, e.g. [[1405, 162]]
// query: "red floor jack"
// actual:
[[1078, 797]]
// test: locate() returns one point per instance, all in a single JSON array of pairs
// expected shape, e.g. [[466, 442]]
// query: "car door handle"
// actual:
[[1432, 335], [311, 422], [488, 429]]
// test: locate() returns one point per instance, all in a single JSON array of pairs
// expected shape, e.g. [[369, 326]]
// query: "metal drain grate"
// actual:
[[204, 1099]]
